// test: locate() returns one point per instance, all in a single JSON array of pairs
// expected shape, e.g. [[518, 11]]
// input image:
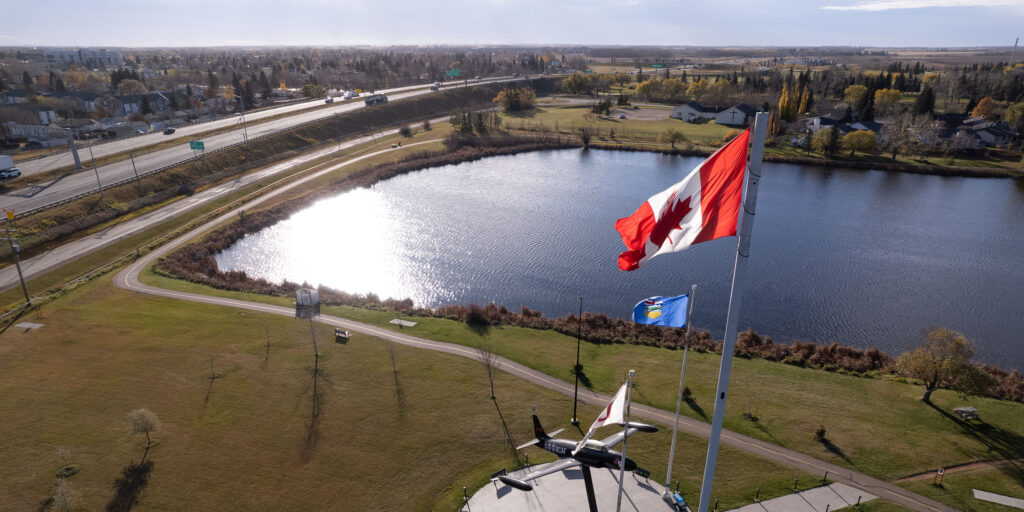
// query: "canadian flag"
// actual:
[[702, 207]]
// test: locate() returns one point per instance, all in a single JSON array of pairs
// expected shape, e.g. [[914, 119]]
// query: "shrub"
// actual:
[[405, 131], [819, 433], [426, 124]]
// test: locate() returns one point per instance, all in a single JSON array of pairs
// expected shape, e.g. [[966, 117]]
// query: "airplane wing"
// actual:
[[554, 467], [634, 427]]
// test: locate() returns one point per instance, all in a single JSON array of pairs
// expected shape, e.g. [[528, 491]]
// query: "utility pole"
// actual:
[[245, 133], [1013, 52], [136, 171], [15, 251], [74, 149], [98, 184], [576, 369]]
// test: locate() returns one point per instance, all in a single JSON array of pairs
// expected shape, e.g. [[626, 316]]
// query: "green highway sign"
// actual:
[[657, 65], [196, 145], [453, 72]]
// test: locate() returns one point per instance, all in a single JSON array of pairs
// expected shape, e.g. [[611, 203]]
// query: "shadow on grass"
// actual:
[[127, 488], [508, 435], [481, 328], [399, 394], [834, 450], [313, 426], [692, 404], [578, 372], [1000, 443]]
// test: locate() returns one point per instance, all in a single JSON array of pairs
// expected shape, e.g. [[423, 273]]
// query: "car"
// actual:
[[393, 146], [622, 116], [636, 107], [476, 77], [168, 131], [329, 100], [11, 173]]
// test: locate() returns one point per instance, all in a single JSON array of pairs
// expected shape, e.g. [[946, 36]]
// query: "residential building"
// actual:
[[738, 115], [692, 111]]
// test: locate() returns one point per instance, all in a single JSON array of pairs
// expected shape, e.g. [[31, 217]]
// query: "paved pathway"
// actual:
[[565, 491], [128, 279], [818, 499], [999, 498]]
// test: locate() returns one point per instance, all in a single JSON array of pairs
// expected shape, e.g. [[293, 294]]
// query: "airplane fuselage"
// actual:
[[594, 458]]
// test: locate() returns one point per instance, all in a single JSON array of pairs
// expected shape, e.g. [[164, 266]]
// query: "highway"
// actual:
[[64, 158], [85, 180]]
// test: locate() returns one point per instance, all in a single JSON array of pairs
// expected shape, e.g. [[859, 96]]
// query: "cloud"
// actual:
[[885, 5]]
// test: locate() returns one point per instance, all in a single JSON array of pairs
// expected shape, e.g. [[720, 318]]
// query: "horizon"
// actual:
[[645, 23]]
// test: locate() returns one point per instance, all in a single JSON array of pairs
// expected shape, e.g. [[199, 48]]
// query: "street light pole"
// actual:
[[98, 184], [576, 369], [136, 171], [16, 250]]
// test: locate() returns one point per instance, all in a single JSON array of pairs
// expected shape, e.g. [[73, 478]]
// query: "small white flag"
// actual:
[[612, 414]]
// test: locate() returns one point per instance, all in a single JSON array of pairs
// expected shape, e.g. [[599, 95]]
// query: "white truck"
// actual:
[[7, 168]]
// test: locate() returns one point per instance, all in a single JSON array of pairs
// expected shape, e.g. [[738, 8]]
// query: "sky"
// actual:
[[147, 23]]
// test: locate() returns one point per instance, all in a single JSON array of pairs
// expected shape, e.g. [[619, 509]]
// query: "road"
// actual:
[[54, 258], [70, 185], [64, 158], [128, 279]]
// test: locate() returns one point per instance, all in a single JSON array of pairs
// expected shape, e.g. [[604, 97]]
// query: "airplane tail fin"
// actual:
[[538, 430]]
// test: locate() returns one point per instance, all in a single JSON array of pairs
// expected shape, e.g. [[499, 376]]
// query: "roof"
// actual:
[[826, 121], [17, 93], [871, 125], [702, 108], [84, 96], [746, 109]]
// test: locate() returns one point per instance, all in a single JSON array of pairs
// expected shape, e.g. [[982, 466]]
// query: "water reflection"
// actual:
[[861, 257]]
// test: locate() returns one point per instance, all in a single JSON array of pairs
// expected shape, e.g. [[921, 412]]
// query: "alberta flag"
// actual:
[[667, 311]]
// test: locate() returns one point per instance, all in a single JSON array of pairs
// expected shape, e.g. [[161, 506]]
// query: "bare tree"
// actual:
[[143, 421]]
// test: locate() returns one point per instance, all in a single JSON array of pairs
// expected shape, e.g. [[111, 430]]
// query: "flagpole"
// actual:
[[625, 437], [735, 300], [679, 397]]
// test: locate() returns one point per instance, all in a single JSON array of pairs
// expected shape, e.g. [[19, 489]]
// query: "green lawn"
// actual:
[[242, 441], [874, 425], [568, 119]]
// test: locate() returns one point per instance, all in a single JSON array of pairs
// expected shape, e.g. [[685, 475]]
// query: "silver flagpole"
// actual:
[[625, 430], [679, 397], [735, 300]]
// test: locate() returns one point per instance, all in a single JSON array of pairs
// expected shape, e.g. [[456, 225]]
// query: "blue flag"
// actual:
[[667, 311]]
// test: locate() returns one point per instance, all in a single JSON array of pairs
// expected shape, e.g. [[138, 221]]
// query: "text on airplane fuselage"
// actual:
[[554, 448]]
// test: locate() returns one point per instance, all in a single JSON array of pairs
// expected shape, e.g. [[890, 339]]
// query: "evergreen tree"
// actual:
[[925, 102], [834, 144]]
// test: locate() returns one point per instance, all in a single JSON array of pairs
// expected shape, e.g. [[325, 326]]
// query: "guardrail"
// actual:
[[141, 175]]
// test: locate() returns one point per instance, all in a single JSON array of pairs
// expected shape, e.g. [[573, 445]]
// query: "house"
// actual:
[[46, 114], [132, 103], [13, 96], [739, 115], [87, 100], [692, 111], [871, 126]]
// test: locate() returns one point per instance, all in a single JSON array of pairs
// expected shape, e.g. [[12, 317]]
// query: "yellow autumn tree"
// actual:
[[854, 93], [986, 108]]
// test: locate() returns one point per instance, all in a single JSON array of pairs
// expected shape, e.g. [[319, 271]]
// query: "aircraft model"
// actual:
[[594, 454]]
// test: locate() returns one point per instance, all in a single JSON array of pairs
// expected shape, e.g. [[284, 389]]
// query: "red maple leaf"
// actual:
[[670, 220]]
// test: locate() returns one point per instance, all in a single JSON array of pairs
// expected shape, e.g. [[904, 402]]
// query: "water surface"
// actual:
[[866, 258]]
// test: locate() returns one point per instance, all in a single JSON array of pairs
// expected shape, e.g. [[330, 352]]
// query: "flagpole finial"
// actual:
[[632, 373]]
